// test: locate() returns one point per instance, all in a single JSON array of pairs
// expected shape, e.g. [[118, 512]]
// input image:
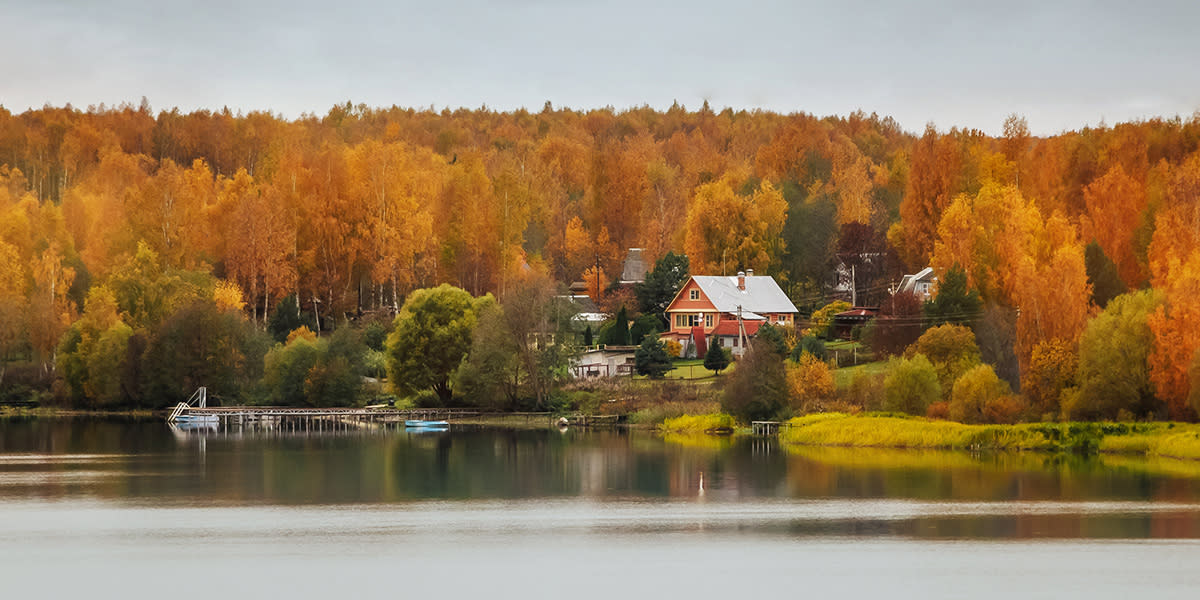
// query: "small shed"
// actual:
[[845, 322]]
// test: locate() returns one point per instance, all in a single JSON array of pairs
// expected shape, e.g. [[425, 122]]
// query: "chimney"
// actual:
[[749, 272], [742, 280]]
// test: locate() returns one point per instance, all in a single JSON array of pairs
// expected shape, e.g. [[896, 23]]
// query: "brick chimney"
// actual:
[[742, 280]]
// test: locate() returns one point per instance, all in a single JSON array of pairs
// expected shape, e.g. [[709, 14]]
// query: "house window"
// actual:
[[708, 320], [693, 294], [693, 320], [679, 320]]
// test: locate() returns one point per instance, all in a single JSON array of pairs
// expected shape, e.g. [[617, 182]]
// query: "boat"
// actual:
[[186, 419], [180, 414], [423, 424]]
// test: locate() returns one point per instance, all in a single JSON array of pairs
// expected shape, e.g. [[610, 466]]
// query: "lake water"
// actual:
[[94, 508]]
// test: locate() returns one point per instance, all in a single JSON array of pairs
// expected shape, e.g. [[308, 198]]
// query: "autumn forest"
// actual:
[[1071, 243]]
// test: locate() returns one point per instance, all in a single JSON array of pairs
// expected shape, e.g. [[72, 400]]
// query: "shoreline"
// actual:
[[884, 431]]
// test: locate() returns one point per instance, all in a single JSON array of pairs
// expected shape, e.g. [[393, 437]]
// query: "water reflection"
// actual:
[[739, 483]]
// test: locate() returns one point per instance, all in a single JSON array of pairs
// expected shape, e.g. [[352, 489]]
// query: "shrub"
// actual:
[[911, 385], [758, 387], [1004, 410], [673, 348], [773, 339], [425, 399], [939, 410], [866, 390], [375, 334], [301, 332], [976, 390], [951, 349], [809, 344], [810, 384]]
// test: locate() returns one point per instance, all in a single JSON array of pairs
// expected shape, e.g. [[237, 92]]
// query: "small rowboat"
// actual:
[[419, 423]]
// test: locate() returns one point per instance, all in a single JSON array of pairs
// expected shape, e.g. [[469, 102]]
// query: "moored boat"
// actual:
[[421, 423]]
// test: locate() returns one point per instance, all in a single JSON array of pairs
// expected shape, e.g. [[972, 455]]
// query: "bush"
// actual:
[[951, 349], [810, 384], [976, 391], [425, 399], [375, 334], [1004, 410], [757, 390], [939, 410], [673, 348], [911, 385], [773, 338], [866, 390], [809, 344]]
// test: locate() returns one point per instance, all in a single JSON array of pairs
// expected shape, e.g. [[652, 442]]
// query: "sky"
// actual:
[[1061, 65]]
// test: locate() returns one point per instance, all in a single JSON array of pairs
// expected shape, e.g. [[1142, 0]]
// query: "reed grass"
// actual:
[[1168, 440], [875, 430], [708, 423], [837, 429]]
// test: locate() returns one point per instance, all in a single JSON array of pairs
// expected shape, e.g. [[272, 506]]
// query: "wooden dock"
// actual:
[[764, 427], [320, 419], [306, 420]]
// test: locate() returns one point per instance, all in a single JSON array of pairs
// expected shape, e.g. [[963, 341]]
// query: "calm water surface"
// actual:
[[135, 509]]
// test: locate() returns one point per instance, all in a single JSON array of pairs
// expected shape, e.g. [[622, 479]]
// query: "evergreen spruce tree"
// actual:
[[715, 359], [651, 358]]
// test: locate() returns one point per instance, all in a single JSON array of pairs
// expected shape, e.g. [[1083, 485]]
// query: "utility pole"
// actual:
[[853, 287], [741, 331]]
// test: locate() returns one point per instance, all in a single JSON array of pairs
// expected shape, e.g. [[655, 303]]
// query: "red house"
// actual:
[[707, 307]]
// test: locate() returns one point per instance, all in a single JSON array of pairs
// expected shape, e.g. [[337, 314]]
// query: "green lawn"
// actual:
[[690, 368], [843, 376]]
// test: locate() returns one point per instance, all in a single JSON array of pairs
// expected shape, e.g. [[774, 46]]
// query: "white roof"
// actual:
[[762, 294], [908, 282]]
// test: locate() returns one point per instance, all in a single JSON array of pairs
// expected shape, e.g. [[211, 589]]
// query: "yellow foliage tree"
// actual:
[[810, 383], [302, 332], [727, 230], [228, 296]]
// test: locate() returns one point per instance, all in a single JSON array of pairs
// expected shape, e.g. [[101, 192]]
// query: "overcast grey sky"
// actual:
[[1063, 65]]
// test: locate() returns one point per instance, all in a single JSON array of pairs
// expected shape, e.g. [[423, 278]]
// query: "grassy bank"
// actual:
[[885, 431], [711, 423], [12, 412]]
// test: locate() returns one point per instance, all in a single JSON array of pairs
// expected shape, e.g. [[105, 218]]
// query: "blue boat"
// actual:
[[422, 424]]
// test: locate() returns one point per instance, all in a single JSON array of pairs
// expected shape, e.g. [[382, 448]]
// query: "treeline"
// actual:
[[351, 211]]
